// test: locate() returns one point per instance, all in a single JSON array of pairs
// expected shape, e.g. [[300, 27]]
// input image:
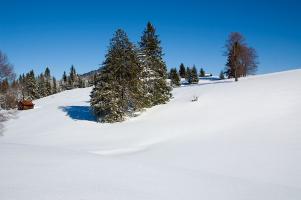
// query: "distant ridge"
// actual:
[[90, 73]]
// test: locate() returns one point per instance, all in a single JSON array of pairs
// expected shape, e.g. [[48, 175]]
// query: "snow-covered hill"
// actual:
[[238, 141]]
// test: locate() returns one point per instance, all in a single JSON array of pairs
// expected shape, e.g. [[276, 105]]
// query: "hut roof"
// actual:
[[26, 103]]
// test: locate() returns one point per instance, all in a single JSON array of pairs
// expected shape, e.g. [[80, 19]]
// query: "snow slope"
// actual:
[[238, 141]]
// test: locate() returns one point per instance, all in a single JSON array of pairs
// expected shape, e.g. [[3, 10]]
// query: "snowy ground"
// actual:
[[238, 141], [4, 116]]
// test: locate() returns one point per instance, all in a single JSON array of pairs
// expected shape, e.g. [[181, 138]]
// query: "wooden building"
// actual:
[[25, 105]]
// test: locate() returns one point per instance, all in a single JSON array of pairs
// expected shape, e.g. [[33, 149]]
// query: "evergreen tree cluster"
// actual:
[[175, 80], [182, 71], [189, 74], [71, 81], [202, 72], [35, 87], [194, 77], [222, 75], [30, 86], [131, 78]]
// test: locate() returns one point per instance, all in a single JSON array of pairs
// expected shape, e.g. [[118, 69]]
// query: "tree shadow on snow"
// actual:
[[79, 112]]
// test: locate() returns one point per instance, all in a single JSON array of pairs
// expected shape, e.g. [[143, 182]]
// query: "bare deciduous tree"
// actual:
[[6, 69], [7, 95], [241, 59]]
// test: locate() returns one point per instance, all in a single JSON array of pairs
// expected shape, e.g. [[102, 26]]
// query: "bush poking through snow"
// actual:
[[195, 98]]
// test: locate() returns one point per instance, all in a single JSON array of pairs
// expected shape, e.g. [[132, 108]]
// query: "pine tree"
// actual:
[[154, 71], [81, 82], [41, 85], [54, 86], [182, 71], [47, 73], [48, 87], [64, 78], [64, 81], [188, 75], [174, 77], [22, 85], [31, 86], [221, 75], [72, 77], [194, 75], [47, 77], [202, 73], [72, 73], [69, 85], [118, 89]]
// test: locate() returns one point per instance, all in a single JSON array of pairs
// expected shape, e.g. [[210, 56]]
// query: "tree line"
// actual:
[[30, 86], [34, 87], [191, 75], [242, 60], [131, 78]]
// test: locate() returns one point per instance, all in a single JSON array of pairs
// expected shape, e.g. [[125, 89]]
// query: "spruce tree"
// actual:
[[221, 75], [194, 75], [31, 86], [22, 86], [81, 82], [169, 73], [154, 72], [54, 86], [182, 71], [202, 73], [69, 85], [188, 75], [174, 78], [72, 77], [47, 73], [42, 86], [64, 78], [118, 89], [48, 87], [47, 80]]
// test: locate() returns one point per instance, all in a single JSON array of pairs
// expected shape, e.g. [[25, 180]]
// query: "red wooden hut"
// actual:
[[25, 105]]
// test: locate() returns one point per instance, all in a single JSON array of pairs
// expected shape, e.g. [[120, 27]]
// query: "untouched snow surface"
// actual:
[[238, 141]]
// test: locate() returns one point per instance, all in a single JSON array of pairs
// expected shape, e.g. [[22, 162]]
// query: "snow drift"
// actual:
[[238, 141]]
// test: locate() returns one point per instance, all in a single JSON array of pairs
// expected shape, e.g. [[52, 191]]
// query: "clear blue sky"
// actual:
[[36, 34]]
